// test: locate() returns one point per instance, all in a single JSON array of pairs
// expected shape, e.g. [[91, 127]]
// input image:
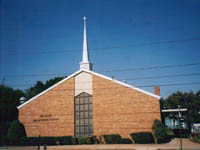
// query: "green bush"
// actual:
[[74, 141], [48, 140], [162, 133], [126, 141], [89, 140], [96, 140], [29, 141], [196, 138], [81, 141], [33, 141], [142, 137], [65, 140], [170, 133], [112, 139], [16, 131]]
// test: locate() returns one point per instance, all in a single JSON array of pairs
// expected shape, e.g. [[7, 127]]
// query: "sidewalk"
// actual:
[[173, 145]]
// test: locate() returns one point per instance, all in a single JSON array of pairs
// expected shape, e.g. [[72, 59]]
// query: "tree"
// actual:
[[159, 131], [40, 86], [16, 132], [188, 100], [9, 100]]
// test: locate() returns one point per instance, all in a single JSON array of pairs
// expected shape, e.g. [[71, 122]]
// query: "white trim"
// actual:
[[124, 84], [94, 73], [173, 110]]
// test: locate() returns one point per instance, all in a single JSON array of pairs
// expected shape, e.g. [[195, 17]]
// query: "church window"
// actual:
[[83, 115]]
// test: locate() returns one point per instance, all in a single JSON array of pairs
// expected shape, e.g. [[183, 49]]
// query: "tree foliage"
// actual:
[[9, 100], [159, 131], [40, 86], [16, 132], [188, 100]]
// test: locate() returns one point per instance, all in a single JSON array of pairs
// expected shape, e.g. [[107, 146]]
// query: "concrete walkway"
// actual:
[[173, 145]]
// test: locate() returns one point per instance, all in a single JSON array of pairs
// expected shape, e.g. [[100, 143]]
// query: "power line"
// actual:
[[139, 78], [33, 75], [105, 48], [114, 70], [156, 67], [167, 76], [173, 84]]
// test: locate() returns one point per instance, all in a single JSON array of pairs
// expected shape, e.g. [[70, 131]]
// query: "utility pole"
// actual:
[[180, 126]]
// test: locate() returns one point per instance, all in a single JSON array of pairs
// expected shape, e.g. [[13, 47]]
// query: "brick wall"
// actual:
[[116, 110], [121, 110], [51, 114]]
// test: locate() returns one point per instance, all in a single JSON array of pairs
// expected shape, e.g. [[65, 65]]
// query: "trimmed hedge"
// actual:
[[90, 140], [65, 140], [81, 141], [112, 139], [74, 141], [142, 137], [126, 141], [29, 141], [33, 141]]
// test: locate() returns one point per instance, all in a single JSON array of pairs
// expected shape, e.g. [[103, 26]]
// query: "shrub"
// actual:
[[89, 140], [126, 141], [65, 140], [170, 133], [48, 140], [112, 139], [96, 140], [162, 133], [159, 131], [74, 141], [29, 141], [16, 131], [81, 141], [33, 141], [196, 138], [142, 137]]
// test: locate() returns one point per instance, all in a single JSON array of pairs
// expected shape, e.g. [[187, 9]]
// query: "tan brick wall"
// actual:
[[51, 114], [116, 110], [121, 110]]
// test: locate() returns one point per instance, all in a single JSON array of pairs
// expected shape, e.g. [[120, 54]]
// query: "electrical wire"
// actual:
[[105, 48], [114, 70]]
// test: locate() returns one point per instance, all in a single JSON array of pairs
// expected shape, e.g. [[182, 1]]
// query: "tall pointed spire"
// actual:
[[85, 64]]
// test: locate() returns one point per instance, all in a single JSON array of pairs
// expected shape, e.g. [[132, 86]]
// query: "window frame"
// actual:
[[83, 114]]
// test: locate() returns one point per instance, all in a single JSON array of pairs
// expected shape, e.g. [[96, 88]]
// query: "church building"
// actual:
[[87, 103]]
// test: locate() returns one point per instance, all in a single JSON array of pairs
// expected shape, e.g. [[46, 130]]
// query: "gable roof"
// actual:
[[94, 73]]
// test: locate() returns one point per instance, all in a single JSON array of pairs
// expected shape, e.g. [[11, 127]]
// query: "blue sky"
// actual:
[[45, 37]]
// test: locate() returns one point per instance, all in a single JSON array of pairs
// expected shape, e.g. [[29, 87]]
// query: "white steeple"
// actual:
[[85, 64]]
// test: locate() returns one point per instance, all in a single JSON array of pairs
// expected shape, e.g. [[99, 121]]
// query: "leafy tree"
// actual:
[[9, 100], [159, 131], [188, 100], [16, 132], [40, 86]]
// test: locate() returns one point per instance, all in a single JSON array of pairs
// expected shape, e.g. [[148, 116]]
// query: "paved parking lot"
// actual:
[[173, 145]]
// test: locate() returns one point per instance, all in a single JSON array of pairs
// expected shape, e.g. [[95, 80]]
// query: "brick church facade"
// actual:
[[87, 103]]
